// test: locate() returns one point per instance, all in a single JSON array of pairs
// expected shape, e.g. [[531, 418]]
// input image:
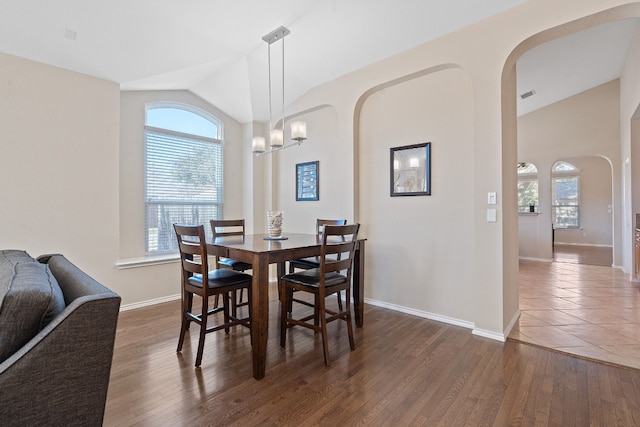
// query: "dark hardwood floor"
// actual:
[[404, 371]]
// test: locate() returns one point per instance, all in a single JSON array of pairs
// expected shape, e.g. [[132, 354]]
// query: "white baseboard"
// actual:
[[513, 321], [420, 313], [583, 244], [149, 302], [489, 334], [168, 298], [526, 258], [394, 307]]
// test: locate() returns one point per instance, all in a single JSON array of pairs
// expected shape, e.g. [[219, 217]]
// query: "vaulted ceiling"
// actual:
[[214, 48]]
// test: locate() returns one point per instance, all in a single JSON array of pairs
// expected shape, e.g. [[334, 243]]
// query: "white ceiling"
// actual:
[[572, 64], [214, 48]]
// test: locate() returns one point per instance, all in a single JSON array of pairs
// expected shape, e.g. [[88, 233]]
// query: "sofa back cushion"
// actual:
[[8, 260], [32, 298]]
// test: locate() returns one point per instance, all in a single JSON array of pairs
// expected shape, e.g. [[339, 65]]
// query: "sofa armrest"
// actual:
[[61, 376]]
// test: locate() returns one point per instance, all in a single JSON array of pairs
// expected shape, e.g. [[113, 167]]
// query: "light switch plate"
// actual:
[[492, 198], [492, 215]]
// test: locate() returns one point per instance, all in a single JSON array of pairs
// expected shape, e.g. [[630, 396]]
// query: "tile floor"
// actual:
[[586, 310]]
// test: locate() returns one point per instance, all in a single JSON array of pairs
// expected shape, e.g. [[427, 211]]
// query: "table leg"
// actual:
[[259, 314], [358, 283]]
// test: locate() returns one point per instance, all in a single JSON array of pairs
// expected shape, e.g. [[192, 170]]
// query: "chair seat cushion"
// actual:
[[233, 264], [222, 277], [312, 278]]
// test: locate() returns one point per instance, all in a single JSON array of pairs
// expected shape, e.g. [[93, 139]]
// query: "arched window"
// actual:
[[527, 187], [183, 172], [565, 195]]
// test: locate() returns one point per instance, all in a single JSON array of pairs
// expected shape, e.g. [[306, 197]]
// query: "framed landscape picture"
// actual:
[[307, 181], [410, 170]]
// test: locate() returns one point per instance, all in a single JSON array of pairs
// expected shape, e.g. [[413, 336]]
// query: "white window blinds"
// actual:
[[183, 184]]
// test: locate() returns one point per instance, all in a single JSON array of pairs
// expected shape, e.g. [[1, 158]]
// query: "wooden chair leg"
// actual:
[[227, 300], [234, 304], [184, 325], [323, 327], [189, 306], [240, 299], [203, 330], [284, 310], [339, 296], [352, 343], [289, 300], [216, 301], [316, 312], [250, 318]]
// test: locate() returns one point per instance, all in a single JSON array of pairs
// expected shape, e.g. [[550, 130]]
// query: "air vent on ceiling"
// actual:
[[70, 34], [527, 94]]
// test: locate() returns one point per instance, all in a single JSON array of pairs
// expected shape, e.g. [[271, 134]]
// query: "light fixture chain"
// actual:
[[283, 87], [270, 99]]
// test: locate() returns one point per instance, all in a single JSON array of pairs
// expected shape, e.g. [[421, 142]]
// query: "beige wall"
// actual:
[[132, 120], [335, 164], [131, 162], [59, 165], [487, 52], [63, 130], [630, 146], [596, 223], [584, 130], [416, 243]]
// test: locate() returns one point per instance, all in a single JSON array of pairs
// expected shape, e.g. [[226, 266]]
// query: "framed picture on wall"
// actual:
[[410, 170], [307, 181]]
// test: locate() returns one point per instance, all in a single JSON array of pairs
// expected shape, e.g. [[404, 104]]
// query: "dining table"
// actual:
[[260, 251]]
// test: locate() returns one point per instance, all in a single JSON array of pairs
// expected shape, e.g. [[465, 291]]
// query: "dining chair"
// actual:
[[230, 227], [332, 275], [314, 262], [218, 282]]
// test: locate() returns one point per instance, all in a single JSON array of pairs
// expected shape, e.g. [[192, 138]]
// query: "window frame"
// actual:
[[216, 205], [529, 176], [570, 174]]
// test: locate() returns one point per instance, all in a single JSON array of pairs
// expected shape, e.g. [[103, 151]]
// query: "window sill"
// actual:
[[529, 213], [124, 264]]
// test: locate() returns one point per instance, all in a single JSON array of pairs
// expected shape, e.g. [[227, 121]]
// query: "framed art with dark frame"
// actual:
[[307, 181], [410, 169]]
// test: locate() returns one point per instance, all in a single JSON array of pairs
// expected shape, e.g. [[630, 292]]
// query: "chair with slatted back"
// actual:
[[198, 280], [230, 227], [314, 262], [333, 275]]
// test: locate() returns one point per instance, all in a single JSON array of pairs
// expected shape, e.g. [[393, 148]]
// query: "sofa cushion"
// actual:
[[8, 259], [32, 300]]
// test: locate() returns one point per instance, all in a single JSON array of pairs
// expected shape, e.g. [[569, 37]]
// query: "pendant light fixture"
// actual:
[[276, 131]]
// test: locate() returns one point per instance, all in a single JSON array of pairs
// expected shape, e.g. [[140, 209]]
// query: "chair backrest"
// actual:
[[338, 247], [320, 223], [193, 251], [227, 227]]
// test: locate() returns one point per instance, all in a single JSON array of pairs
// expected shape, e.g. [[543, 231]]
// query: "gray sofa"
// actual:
[[57, 332]]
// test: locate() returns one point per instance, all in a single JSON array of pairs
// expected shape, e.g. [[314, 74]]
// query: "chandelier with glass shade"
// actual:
[[276, 136]]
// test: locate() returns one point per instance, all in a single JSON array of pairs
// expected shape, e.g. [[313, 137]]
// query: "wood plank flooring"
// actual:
[[404, 371]]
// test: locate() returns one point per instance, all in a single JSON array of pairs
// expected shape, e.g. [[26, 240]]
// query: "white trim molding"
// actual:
[[420, 313], [150, 302], [147, 261]]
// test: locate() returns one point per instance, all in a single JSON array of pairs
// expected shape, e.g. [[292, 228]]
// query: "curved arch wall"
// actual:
[[413, 237], [371, 115]]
